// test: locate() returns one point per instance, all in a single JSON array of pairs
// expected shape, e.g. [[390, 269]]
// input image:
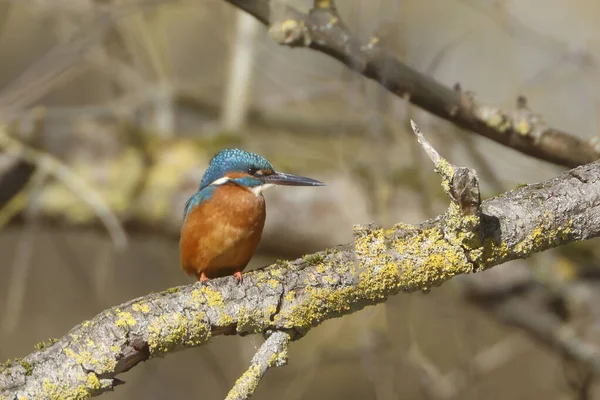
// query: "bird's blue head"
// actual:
[[245, 169], [249, 170]]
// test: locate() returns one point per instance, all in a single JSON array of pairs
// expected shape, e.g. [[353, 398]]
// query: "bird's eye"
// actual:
[[252, 170]]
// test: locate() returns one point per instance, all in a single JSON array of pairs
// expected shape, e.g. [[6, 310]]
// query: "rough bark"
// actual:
[[294, 296]]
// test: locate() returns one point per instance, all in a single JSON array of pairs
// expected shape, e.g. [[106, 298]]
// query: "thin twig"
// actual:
[[272, 353]]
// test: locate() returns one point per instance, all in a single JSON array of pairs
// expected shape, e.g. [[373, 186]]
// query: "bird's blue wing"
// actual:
[[198, 198]]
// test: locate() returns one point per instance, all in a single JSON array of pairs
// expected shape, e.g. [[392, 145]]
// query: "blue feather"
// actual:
[[232, 160], [198, 198], [228, 160]]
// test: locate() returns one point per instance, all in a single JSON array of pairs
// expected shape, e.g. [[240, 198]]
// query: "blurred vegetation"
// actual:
[[121, 103]]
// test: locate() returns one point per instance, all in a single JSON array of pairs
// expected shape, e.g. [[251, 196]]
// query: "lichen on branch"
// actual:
[[292, 297], [322, 29]]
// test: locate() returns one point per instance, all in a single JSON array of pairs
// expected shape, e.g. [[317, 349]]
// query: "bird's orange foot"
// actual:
[[238, 276], [203, 278]]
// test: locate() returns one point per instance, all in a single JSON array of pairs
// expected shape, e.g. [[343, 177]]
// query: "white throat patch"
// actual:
[[257, 190]]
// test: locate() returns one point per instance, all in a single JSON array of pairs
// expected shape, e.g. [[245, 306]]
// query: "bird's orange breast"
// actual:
[[219, 236]]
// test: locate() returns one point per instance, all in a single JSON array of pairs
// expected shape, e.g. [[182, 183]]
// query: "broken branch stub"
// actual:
[[461, 184]]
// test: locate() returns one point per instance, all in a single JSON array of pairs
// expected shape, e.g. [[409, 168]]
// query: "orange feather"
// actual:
[[220, 235]]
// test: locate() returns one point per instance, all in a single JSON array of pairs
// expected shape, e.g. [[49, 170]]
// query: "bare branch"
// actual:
[[323, 30], [272, 353], [545, 327], [293, 297], [78, 186]]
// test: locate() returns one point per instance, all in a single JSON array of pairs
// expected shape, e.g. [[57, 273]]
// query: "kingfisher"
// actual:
[[223, 221]]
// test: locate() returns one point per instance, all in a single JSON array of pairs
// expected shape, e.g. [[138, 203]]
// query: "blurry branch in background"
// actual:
[[291, 297], [452, 384], [53, 68], [239, 83], [19, 272], [541, 324], [61, 62], [63, 173], [323, 30], [41, 165]]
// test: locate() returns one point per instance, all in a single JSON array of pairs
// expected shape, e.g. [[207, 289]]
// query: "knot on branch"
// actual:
[[290, 32]]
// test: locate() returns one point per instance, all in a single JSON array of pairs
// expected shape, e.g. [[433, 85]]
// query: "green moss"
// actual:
[[173, 290], [282, 263], [44, 344], [26, 366], [314, 259]]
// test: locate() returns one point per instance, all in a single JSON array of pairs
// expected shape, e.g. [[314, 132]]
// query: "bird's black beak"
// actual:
[[279, 178]]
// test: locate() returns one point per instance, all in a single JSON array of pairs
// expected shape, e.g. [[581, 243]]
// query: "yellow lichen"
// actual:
[[213, 297], [523, 127], [542, 237], [225, 320], [124, 319], [85, 357], [169, 331], [290, 295], [498, 121], [277, 273], [248, 382], [50, 388], [92, 381], [141, 307], [271, 309], [289, 25], [82, 357]]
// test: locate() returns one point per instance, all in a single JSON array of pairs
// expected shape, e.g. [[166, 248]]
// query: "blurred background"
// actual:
[[111, 109]]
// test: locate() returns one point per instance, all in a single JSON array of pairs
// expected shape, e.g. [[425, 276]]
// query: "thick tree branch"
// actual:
[[323, 30], [293, 297]]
